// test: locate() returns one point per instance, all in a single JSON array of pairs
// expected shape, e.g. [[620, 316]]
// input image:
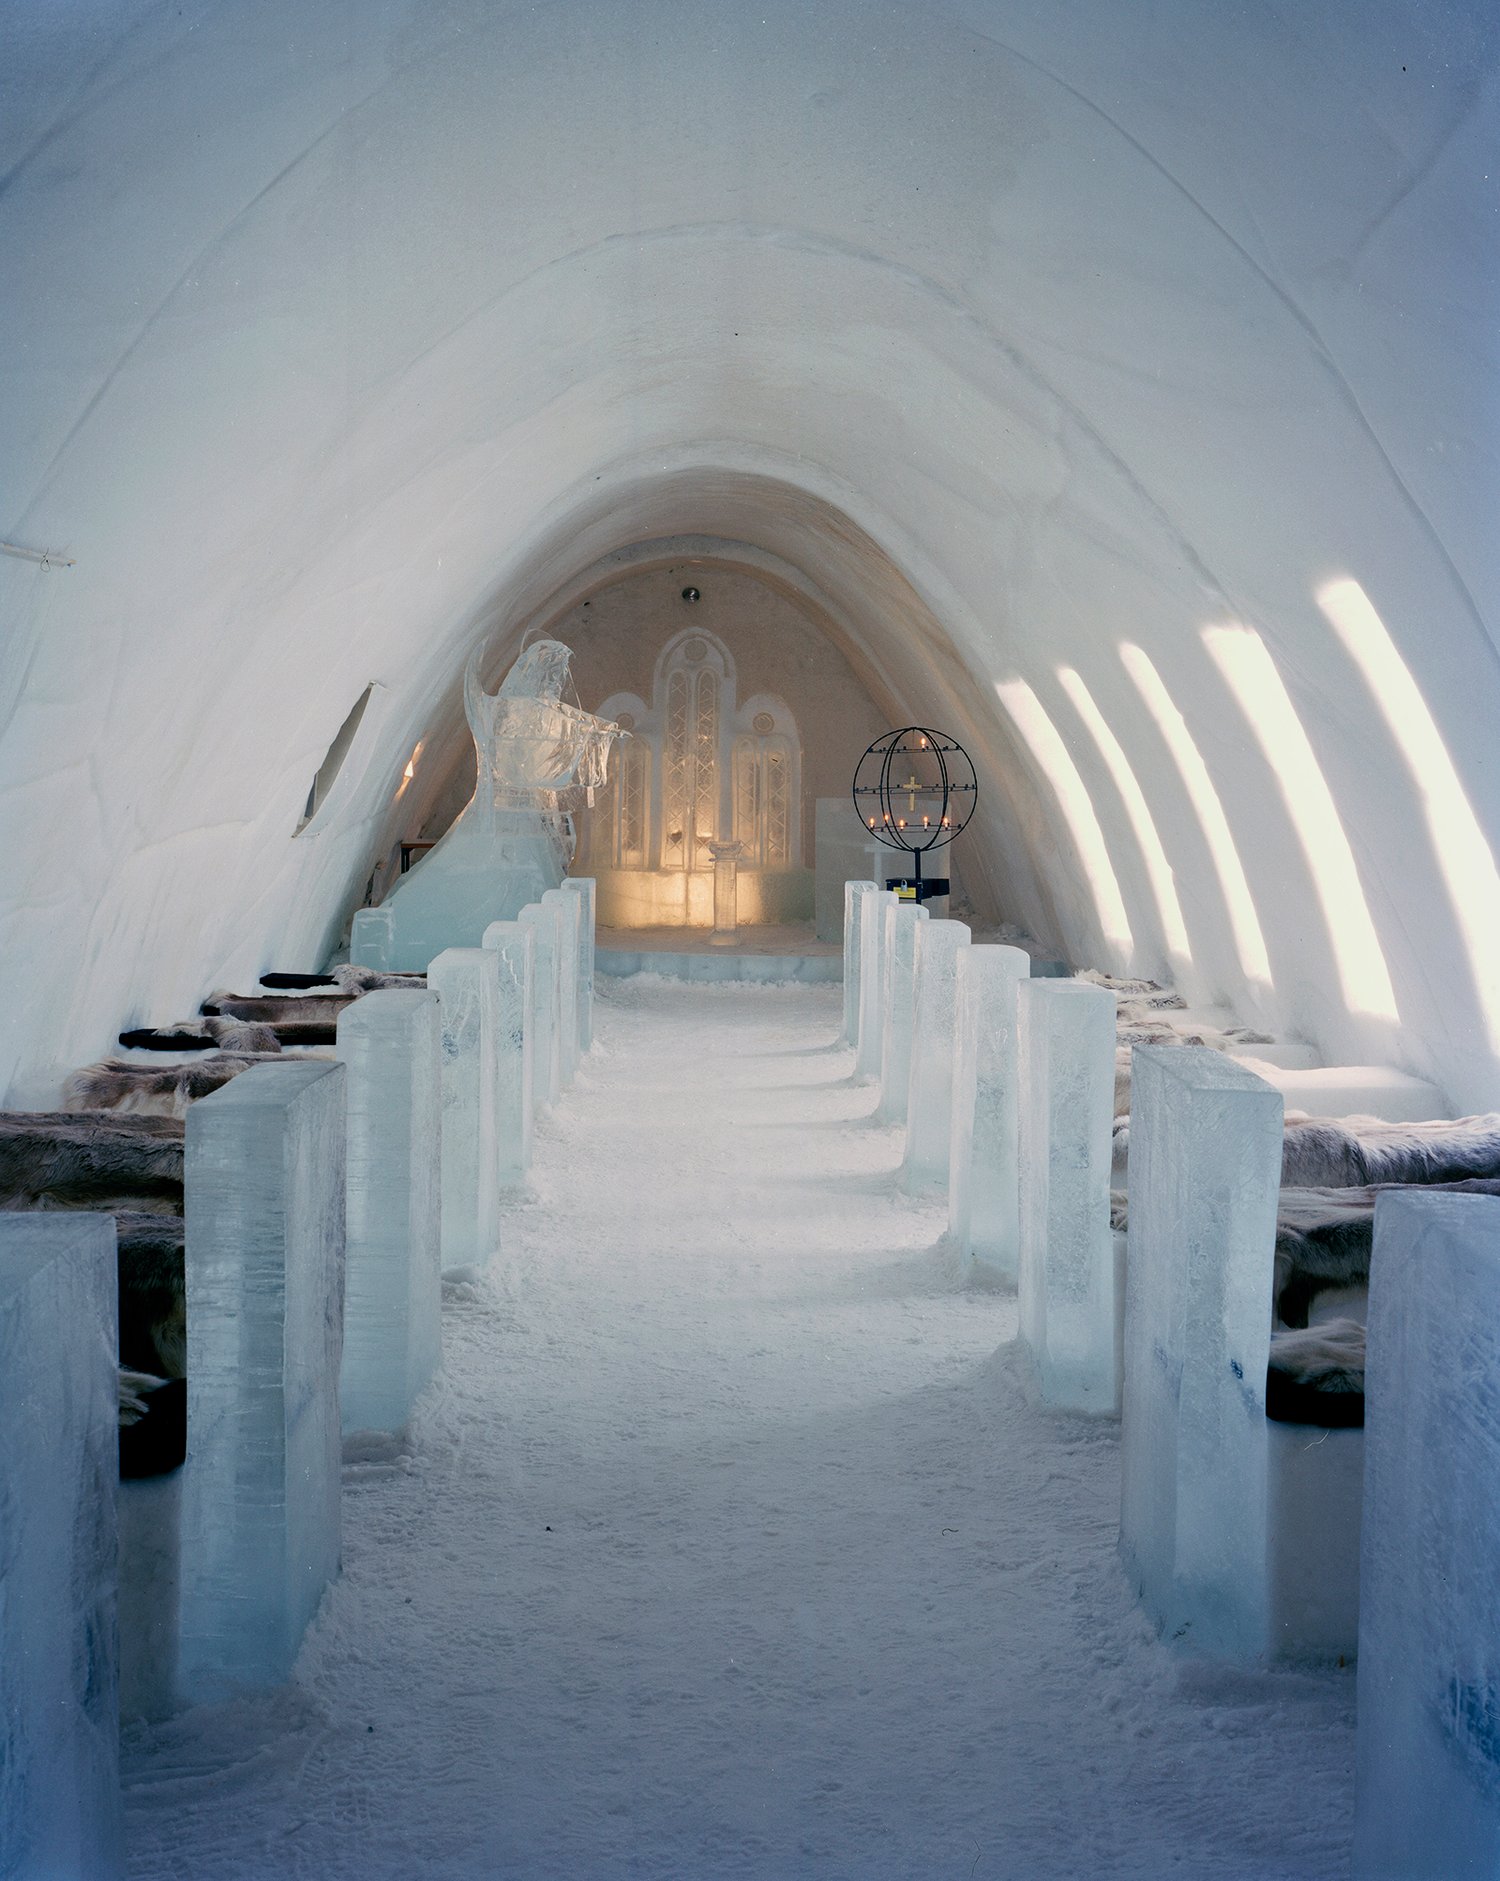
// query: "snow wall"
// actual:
[[1116, 383]]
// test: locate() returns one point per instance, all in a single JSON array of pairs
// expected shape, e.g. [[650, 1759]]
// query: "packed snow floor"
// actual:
[[734, 1544]]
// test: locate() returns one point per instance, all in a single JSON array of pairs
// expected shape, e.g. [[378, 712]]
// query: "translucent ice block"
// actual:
[[514, 942], [1427, 1790], [391, 1046], [372, 939], [546, 1003], [265, 1297], [1068, 1286], [982, 1178], [899, 998], [871, 1041], [1205, 1169], [467, 981], [585, 887], [854, 895], [940, 945], [59, 1669], [569, 910]]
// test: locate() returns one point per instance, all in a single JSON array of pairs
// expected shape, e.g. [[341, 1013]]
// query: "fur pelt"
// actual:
[[90, 1159], [314, 1009], [154, 1090], [205, 1033], [366, 980], [153, 1294], [1146, 994], [1352, 1152], [1317, 1375]]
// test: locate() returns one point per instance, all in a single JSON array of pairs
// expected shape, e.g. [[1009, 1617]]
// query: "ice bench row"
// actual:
[[323, 1201], [1245, 1537]]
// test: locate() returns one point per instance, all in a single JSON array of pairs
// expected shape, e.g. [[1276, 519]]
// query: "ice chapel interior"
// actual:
[[569, 1312]]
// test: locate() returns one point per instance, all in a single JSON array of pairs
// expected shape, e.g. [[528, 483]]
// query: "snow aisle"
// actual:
[[732, 1545]]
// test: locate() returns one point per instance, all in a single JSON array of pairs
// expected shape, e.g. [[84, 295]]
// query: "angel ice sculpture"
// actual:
[[512, 840], [530, 744]]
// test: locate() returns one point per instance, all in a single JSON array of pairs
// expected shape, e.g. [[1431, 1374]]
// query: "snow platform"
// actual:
[[766, 954], [1353, 1091]]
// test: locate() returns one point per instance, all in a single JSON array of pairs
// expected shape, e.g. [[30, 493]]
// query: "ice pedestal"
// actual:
[[585, 887], [546, 1003], [514, 943], [60, 1735], [487, 868], [1205, 1169], [569, 911], [940, 946], [1427, 1797], [265, 1286], [467, 982], [871, 1039], [1069, 1284], [984, 1147], [391, 1046], [854, 895], [899, 1003]]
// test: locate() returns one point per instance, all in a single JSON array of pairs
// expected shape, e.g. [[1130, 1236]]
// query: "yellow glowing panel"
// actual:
[[1047, 747], [1463, 853], [1242, 657], [1174, 928], [1249, 942]]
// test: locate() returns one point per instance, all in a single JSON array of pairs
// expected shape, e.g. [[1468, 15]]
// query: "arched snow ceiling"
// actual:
[[1115, 382]]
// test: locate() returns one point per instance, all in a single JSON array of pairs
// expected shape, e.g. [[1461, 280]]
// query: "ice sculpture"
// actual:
[[898, 1000], [854, 897], [569, 929], [1427, 1797], [1205, 1170], [510, 844], [546, 1003], [391, 1046], [265, 1296], [60, 1727], [585, 887], [871, 1041], [982, 1172], [514, 944], [467, 981], [1069, 1287], [940, 945]]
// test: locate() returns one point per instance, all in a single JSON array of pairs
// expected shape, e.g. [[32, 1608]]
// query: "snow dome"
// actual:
[[1109, 386]]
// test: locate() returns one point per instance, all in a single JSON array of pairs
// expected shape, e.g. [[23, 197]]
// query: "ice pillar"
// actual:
[[514, 942], [854, 896], [1068, 1286], [265, 1286], [940, 946], [1427, 1795], [467, 981], [1205, 1170], [391, 1046], [585, 888], [546, 1004], [983, 1176], [569, 909], [899, 999], [59, 1666], [871, 1039]]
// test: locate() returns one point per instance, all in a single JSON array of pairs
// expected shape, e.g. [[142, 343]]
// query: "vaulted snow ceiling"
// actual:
[[1118, 382]]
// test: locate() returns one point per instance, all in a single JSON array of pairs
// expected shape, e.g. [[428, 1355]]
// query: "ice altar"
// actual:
[[511, 843]]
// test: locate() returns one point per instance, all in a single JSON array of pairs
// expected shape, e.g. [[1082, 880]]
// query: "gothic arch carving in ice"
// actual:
[[698, 764]]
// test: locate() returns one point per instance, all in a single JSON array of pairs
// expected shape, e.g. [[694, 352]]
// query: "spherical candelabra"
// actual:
[[914, 789]]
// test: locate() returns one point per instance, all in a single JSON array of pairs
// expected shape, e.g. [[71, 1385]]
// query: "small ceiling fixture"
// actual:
[[691, 594]]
